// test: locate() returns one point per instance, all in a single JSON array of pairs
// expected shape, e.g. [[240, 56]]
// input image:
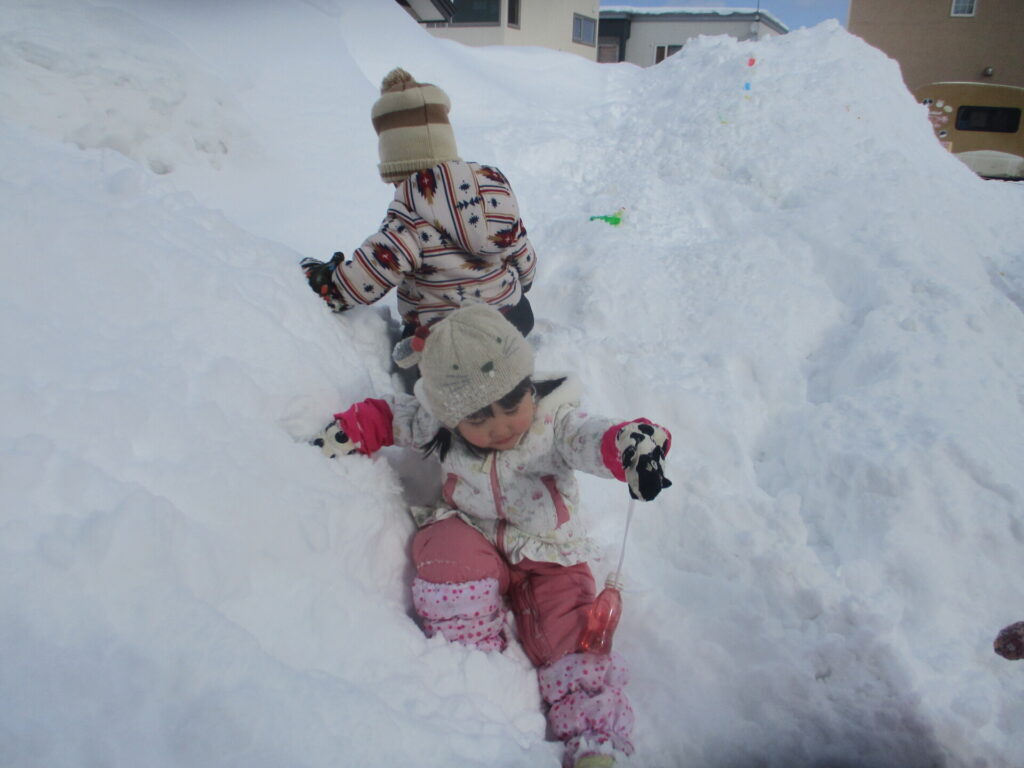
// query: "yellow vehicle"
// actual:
[[980, 123]]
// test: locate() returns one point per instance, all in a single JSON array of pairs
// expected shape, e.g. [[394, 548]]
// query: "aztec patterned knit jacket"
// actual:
[[451, 234]]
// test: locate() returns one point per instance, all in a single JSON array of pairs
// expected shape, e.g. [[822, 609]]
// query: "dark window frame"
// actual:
[[579, 22], [662, 52], [988, 119], [515, 14], [966, 13], [493, 14]]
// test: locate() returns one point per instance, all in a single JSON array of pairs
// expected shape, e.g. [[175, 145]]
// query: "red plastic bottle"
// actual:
[[602, 619]]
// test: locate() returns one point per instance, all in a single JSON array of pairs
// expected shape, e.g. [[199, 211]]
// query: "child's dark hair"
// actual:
[[442, 441]]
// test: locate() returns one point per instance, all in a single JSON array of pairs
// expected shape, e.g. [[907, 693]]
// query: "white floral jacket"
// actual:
[[524, 500]]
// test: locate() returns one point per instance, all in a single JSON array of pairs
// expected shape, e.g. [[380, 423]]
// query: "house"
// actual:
[[946, 40], [646, 36], [563, 25]]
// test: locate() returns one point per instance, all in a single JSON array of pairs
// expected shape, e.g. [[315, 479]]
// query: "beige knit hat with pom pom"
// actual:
[[411, 120]]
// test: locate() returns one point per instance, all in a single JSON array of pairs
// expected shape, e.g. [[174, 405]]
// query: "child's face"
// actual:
[[502, 429]]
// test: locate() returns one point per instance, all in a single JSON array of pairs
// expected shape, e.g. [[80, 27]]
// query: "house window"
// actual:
[[662, 52], [477, 12], [513, 13], [584, 29], [992, 119], [962, 8]]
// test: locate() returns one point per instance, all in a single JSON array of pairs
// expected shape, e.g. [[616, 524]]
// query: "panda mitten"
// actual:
[[334, 442], [643, 447]]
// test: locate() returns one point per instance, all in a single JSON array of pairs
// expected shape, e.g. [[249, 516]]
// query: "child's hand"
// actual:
[[318, 275], [334, 442], [642, 448]]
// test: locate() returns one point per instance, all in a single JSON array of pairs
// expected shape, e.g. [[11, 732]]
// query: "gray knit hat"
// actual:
[[411, 120], [468, 360]]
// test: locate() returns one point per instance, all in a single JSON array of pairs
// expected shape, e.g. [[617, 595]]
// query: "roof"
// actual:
[[745, 13], [429, 10]]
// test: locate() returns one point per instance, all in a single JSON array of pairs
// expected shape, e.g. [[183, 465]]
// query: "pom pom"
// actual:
[[396, 80]]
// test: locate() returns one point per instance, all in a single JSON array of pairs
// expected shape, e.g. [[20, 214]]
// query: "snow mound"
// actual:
[[99, 78], [822, 304]]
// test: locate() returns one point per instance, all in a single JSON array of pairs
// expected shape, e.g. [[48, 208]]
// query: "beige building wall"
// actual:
[[547, 23], [550, 24], [933, 46], [471, 34]]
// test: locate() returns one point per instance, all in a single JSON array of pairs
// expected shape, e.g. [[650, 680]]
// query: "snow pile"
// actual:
[[122, 86], [820, 302]]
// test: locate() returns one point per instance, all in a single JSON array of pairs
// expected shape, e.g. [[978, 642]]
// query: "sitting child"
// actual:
[[451, 235], [509, 526]]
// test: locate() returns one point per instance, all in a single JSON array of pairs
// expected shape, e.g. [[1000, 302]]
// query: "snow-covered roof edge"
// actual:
[[693, 11]]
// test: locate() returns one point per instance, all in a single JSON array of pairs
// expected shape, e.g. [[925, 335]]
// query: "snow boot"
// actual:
[[589, 710], [470, 613]]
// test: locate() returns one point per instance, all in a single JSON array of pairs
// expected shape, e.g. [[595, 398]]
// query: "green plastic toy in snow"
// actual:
[[614, 219]]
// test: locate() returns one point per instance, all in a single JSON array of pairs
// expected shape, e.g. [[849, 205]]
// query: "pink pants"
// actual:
[[549, 601], [461, 579]]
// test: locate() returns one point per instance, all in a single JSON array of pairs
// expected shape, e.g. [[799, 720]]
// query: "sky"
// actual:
[[822, 304], [793, 13]]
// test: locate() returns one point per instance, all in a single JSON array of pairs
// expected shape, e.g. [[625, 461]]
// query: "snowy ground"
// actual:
[[822, 304]]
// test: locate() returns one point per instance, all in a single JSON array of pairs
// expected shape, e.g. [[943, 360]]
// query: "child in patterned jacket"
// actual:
[[509, 525], [451, 235]]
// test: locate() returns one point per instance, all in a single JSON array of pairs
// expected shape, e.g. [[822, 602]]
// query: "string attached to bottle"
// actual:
[[604, 613], [625, 535]]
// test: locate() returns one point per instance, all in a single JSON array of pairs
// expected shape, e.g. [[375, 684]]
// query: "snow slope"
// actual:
[[822, 304]]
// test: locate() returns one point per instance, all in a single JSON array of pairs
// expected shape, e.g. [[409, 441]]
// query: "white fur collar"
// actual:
[[566, 393]]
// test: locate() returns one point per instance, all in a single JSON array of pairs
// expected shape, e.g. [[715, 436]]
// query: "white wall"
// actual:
[[546, 23], [646, 35]]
